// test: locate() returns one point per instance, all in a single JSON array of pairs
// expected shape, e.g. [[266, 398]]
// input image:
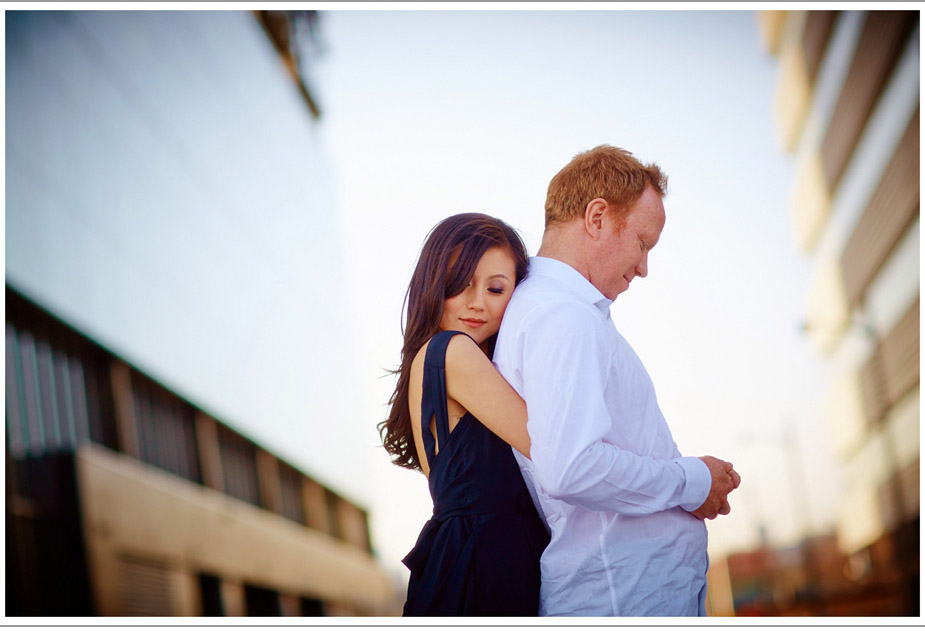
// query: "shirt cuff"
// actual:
[[697, 482]]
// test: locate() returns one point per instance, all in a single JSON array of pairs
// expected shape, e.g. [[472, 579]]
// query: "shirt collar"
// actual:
[[570, 278]]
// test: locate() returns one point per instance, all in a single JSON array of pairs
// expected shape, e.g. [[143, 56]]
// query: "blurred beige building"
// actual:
[[847, 109], [167, 212], [123, 499]]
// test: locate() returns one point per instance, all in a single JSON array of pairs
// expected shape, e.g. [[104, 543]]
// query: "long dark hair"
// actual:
[[447, 262]]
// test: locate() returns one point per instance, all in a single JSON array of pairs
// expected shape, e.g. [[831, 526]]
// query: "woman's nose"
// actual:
[[474, 299]]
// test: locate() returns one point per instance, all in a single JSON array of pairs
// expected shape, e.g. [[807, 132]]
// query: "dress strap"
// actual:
[[433, 392]]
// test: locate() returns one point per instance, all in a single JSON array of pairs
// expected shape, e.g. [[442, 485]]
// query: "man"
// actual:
[[625, 510]]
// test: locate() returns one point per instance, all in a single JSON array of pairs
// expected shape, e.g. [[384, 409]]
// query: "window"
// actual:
[[893, 207], [311, 607], [166, 429], [239, 466], [261, 602], [211, 595], [144, 586], [882, 41], [333, 514], [57, 391], [290, 481]]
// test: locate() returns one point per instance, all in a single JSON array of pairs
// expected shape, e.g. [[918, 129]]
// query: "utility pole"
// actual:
[[800, 487]]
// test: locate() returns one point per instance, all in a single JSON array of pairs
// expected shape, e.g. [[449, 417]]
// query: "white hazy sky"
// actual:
[[431, 113]]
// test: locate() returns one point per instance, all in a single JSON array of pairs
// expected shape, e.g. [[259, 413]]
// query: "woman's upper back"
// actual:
[[455, 411], [473, 385], [469, 468]]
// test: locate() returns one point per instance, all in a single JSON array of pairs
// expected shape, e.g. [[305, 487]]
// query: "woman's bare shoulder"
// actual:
[[460, 349], [463, 353]]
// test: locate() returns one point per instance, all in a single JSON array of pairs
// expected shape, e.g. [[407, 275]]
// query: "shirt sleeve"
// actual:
[[565, 371]]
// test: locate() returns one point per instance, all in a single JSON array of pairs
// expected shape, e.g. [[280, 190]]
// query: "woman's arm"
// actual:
[[473, 381]]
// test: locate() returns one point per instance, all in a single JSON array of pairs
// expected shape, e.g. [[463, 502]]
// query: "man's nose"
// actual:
[[642, 269]]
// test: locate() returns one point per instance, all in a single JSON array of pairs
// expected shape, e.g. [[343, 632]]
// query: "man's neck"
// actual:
[[563, 243]]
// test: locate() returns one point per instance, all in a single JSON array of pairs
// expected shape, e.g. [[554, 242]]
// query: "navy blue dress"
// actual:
[[480, 552]]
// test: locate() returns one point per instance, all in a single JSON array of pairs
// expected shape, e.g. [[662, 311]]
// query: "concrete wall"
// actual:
[[143, 524]]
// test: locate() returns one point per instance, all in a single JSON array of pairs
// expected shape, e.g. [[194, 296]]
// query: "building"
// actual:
[[810, 579], [124, 499], [847, 108], [160, 363]]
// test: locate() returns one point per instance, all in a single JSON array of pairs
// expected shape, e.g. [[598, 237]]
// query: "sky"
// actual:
[[432, 113]]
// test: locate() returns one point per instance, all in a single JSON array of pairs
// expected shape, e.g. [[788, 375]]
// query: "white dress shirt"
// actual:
[[605, 471]]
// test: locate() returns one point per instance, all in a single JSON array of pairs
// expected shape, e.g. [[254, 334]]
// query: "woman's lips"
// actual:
[[472, 323]]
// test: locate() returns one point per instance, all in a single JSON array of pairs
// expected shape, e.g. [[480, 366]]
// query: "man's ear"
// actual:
[[594, 216]]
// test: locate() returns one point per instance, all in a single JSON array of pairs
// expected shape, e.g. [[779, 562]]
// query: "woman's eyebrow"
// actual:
[[498, 275]]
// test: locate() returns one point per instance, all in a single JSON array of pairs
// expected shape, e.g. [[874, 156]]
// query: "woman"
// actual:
[[454, 418]]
